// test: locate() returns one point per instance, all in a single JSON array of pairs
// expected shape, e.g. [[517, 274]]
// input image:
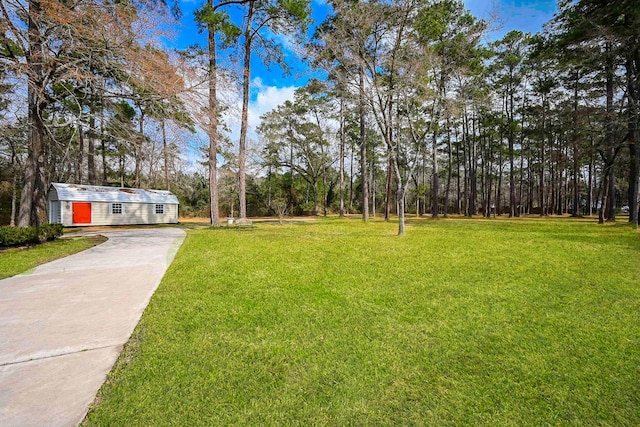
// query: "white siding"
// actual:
[[67, 214], [55, 213], [134, 213]]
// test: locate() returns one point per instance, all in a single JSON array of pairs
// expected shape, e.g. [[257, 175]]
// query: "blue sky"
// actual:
[[525, 15], [271, 88]]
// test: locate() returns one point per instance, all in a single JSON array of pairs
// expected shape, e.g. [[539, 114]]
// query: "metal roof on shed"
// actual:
[[98, 193]]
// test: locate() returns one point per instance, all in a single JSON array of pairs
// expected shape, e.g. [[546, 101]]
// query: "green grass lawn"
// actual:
[[19, 260], [459, 322]]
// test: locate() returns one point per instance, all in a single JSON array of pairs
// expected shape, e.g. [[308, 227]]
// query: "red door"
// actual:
[[81, 212]]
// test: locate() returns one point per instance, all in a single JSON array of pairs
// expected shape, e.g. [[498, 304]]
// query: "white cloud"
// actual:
[[290, 45], [266, 99]]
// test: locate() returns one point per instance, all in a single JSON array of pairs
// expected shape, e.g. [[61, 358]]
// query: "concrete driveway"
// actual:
[[63, 325]]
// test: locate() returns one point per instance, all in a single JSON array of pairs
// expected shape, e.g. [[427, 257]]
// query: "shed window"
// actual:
[[160, 209], [117, 209]]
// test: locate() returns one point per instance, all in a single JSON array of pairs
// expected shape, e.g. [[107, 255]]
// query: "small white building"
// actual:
[[83, 205]]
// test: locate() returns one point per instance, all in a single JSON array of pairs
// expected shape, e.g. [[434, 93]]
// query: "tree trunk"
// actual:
[[490, 202], [575, 203], [363, 148], [372, 186], [521, 183], [400, 194], [513, 204], [351, 179], [80, 157], [435, 190], [522, 138], [388, 190], [499, 185], [392, 159], [530, 185], [634, 166], [590, 182], [575, 206], [610, 149], [324, 187], [611, 199], [634, 152], [473, 163], [543, 205], [447, 191], [316, 202], [483, 176], [91, 146], [138, 151], [213, 126], [33, 199], [458, 175], [602, 215], [165, 152], [246, 73], [103, 150], [342, 142], [552, 177], [425, 193], [121, 163], [14, 185], [269, 190]]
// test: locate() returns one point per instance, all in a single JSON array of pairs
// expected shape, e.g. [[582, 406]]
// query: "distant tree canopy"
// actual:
[[410, 111], [85, 75]]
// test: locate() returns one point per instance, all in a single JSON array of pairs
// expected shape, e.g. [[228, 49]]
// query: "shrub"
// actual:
[[16, 236], [50, 231], [307, 208]]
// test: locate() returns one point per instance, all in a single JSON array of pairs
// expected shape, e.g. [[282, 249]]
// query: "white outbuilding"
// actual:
[[83, 205]]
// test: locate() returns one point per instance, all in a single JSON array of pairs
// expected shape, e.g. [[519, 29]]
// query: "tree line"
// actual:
[[412, 110], [443, 122], [82, 83], [90, 94]]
